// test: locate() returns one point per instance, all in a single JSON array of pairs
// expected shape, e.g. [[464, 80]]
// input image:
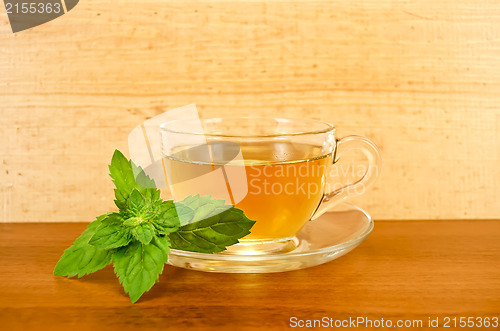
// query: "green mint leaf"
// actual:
[[145, 184], [141, 178], [132, 221], [136, 203], [149, 194], [204, 207], [81, 258], [185, 215], [123, 177], [138, 266], [144, 232], [112, 233], [167, 219], [127, 177], [213, 234]]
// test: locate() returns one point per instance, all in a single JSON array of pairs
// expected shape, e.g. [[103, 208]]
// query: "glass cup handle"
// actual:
[[372, 153]]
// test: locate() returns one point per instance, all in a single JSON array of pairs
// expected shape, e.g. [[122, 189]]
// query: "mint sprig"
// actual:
[[137, 239]]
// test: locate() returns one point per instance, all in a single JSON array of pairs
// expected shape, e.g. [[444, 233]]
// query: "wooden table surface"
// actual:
[[404, 270]]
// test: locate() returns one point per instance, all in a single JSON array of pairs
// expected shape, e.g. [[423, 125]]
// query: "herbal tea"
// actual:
[[285, 181]]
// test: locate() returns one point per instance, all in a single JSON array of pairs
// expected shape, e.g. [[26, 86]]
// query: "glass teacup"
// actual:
[[274, 169]]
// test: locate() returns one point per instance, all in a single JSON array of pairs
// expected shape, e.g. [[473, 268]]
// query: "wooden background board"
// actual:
[[422, 79]]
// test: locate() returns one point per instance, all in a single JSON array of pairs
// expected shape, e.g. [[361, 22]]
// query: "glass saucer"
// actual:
[[328, 237]]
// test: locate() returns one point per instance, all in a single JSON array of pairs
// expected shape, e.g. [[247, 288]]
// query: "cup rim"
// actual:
[[328, 127]]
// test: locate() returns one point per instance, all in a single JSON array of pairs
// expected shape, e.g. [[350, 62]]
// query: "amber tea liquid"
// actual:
[[285, 182]]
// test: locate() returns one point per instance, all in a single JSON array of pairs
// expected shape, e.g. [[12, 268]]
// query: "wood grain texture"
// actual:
[[420, 78], [404, 270]]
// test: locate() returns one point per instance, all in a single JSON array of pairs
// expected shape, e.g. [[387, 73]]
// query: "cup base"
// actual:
[[263, 247]]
